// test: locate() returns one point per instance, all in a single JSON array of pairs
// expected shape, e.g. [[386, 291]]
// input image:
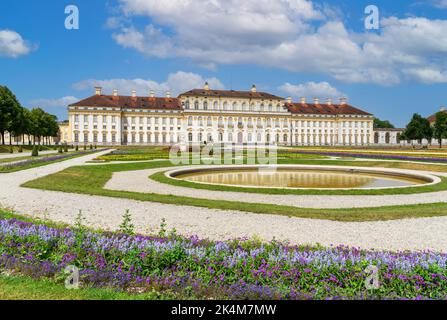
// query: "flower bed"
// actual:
[[375, 156], [32, 162], [237, 269]]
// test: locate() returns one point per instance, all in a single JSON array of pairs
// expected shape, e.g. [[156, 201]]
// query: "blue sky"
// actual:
[[287, 47]]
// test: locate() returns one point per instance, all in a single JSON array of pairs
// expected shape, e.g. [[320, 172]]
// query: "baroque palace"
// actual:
[[207, 115]]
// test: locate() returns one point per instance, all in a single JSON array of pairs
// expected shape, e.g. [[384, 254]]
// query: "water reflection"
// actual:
[[289, 178]]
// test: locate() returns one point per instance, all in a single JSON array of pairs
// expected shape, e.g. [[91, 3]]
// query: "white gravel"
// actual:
[[104, 212]]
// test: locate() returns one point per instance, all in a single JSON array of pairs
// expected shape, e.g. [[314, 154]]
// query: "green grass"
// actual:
[[19, 287], [26, 148], [91, 180], [162, 178]]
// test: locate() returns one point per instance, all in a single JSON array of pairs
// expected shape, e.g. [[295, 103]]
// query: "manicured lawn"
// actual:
[[19, 287], [91, 180]]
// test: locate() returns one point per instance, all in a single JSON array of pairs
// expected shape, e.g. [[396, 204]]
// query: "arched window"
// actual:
[[209, 121], [262, 107], [234, 106], [187, 104], [196, 105], [270, 108], [244, 106], [216, 105], [200, 121], [205, 105], [189, 121], [190, 136], [252, 107], [225, 106]]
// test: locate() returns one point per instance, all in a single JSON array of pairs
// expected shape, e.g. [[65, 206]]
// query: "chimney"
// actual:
[[343, 101], [152, 94], [98, 91], [134, 93], [303, 100], [207, 86], [115, 92], [168, 94], [316, 101], [289, 100], [443, 109], [329, 101], [253, 88]]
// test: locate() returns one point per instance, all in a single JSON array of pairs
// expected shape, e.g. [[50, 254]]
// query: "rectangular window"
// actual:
[[76, 137], [104, 137], [85, 137], [85, 118], [113, 138], [95, 137], [76, 118]]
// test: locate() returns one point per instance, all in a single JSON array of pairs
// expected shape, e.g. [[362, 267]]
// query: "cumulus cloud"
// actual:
[[311, 90], [54, 103], [12, 44], [427, 75], [295, 35], [176, 83]]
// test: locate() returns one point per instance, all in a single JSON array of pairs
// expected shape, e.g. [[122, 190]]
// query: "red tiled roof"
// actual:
[[333, 109], [130, 102], [432, 118], [231, 94]]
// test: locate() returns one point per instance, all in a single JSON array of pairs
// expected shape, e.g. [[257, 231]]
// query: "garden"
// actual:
[[171, 266]]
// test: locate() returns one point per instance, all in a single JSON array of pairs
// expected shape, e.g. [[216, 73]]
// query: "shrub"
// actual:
[[20, 150], [85, 147], [40, 148], [77, 148], [65, 147], [91, 147], [11, 150], [35, 151], [59, 150]]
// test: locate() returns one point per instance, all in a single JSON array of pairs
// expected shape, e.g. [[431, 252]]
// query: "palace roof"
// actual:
[[129, 102], [230, 94], [432, 118], [326, 109]]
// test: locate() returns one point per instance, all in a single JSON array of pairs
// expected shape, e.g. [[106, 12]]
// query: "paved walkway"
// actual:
[[138, 181], [106, 213]]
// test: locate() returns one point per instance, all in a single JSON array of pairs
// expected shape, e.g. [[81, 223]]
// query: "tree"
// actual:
[[8, 106], [440, 127], [418, 128], [381, 124]]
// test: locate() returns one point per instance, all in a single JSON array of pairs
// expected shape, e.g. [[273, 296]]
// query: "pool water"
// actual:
[[294, 178]]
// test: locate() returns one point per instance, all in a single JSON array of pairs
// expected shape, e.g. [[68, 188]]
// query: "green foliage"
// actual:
[[20, 149], [163, 231], [85, 147], [77, 148], [418, 128], [35, 151], [60, 150], [382, 124], [440, 127], [11, 150], [126, 225], [91, 147], [65, 147]]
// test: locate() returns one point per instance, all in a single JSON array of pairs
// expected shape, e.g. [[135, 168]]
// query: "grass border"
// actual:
[[162, 178], [90, 180]]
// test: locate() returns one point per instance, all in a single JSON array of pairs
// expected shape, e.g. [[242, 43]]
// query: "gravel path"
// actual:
[[105, 212], [138, 181]]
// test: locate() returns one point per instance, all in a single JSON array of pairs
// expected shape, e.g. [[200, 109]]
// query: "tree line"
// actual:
[[20, 122], [419, 128]]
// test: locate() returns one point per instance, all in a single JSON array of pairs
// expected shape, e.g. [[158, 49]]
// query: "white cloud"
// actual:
[[311, 90], [441, 4], [294, 35], [12, 44], [427, 75], [54, 103], [176, 82]]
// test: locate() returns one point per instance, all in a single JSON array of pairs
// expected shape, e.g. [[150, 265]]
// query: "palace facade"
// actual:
[[207, 115]]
